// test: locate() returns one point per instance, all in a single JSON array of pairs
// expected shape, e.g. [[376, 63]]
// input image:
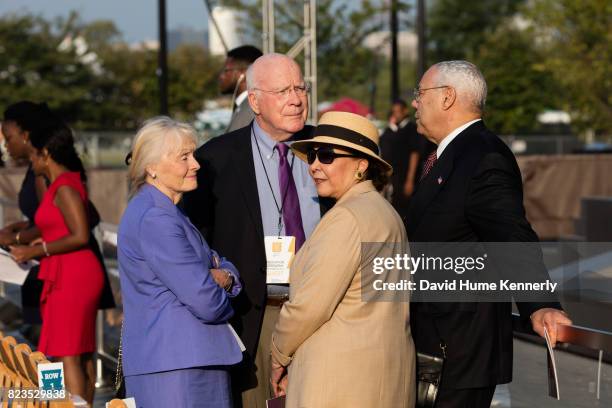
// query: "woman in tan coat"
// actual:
[[331, 348]]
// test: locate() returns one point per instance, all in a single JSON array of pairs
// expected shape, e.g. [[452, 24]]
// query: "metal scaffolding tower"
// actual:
[[306, 43]]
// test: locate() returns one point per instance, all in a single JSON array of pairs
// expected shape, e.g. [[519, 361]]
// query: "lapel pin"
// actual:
[[440, 180]]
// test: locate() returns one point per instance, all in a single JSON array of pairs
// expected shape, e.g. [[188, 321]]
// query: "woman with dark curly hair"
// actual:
[[72, 274], [20, 119]]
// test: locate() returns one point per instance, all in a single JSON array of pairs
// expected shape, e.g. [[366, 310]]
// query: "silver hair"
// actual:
[[467, 80], [158, 137]]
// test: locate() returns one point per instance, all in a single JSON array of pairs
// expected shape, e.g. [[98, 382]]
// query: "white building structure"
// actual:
[[228, 21]]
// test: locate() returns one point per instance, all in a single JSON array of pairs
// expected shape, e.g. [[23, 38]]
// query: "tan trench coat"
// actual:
[[341, 351]]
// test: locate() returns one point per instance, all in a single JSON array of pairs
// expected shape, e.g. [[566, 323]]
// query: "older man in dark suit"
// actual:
[[250, 187], [470, 191]]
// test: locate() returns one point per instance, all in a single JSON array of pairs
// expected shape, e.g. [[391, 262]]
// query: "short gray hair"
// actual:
[[467, 80], [158, 137]]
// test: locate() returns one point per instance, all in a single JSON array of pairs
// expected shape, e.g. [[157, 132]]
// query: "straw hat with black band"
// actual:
[[345, 130]]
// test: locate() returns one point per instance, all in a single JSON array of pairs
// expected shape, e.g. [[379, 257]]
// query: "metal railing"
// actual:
[[107, 235], [584, 340], [543, 144], [590, 339]]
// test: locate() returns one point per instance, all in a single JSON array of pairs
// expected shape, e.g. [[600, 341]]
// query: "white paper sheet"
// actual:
[[11, 271], [553, 379], [240, 343]]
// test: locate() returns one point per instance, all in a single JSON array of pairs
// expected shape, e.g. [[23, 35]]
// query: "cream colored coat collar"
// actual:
[[359, 188]]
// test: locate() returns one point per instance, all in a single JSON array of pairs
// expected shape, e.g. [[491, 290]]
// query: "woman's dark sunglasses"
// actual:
[[325, 155]]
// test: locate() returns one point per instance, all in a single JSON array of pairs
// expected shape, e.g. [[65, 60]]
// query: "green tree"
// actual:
[[126, 93], [32, 67], [495, 36], [575, 37], [457, 29], [193, 78], [100, 34], [101, 83], [519, 85]]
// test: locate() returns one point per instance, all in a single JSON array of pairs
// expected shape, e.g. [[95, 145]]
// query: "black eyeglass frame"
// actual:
[[418, 92], [300, 91], [312, 154]]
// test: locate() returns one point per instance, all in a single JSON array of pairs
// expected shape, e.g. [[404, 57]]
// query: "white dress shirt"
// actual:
[[452, 135]]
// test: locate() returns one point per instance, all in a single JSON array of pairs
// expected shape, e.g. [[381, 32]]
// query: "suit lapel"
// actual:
[[432, 184], [439, 174], [195, 238], [246, 177], [198, 242], [243, 155]]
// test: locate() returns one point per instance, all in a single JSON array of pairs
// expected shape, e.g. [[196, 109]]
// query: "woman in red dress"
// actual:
[[73, 276]]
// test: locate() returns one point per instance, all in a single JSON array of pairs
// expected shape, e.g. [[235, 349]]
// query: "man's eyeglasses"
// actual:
[[417, 92], [284, 93], [325, 155]]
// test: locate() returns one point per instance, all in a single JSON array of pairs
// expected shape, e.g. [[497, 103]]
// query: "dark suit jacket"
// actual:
[[225, 207], [241, 117], [473, 194], [396, 148]]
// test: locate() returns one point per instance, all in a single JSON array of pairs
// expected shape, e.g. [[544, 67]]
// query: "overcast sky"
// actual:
[[136, 19]]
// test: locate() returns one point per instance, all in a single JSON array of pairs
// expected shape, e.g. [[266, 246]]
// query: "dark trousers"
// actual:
[[465, 398], [30, 297], [251, 378]]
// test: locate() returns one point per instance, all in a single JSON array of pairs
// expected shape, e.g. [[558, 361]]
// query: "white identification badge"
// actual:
[[279, 256]]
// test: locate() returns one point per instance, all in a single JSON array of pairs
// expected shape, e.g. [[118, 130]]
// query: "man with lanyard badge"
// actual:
[[257, 206]]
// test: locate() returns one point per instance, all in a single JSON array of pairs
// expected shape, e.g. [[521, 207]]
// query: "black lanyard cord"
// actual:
[[284, 194]]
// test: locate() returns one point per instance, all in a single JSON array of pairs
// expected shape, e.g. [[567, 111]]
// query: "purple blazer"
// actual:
[[174, 313]]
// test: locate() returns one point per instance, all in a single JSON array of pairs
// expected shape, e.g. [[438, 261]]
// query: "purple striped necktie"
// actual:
[[292, 216]]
